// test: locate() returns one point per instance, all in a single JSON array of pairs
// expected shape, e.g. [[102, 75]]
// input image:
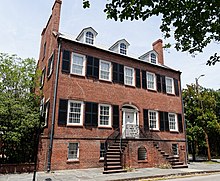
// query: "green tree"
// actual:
[[19, 109], [200, 115], [193, 24]]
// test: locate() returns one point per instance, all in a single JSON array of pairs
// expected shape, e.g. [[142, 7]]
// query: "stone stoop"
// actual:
[[113, 158], [172, 159]]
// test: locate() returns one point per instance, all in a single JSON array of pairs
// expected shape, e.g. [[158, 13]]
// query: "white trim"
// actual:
[[84, 63], [172, 82], [110, 70], [73, 159], [81, 112], [176, 122], [157, 120], [110, 115], [133, 78], [154, 79], [51, 64], [46, 111]]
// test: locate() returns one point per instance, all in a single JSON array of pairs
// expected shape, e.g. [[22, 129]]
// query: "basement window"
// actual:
[[102, 151], [73, 151], [142, 153], [175, 149]]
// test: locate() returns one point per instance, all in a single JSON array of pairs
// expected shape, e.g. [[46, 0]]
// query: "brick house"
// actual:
[[104, 108]]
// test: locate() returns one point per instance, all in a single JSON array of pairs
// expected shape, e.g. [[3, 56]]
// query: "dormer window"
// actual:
[[123, 49], [150, 57], [121, 46], [153, 58], [89, 37]]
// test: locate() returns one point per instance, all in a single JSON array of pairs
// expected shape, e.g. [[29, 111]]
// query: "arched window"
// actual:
[[153, 58], [89, 37], [142, 153], [123, 49]]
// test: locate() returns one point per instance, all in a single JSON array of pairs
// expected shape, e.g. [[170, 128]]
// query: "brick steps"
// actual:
[[173, 160], [113, 158]]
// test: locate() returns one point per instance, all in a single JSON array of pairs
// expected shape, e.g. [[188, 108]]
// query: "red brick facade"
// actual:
[[87, 89]]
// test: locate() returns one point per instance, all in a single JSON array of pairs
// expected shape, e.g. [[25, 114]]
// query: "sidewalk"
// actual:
[[95, 174]]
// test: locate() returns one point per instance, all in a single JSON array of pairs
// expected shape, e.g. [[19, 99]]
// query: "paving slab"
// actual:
[[95, 174]]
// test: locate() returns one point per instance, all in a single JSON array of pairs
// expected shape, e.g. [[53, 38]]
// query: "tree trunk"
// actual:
[[208, 147]]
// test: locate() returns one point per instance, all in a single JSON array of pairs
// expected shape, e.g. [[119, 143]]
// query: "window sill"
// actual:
[[156, 130], [77, 75], [104, 80], [142, 161], [131, 86], [73, 161], [74, 125], [152, 90], [174, 131], [101, 159], [170, 94], [104, 127]]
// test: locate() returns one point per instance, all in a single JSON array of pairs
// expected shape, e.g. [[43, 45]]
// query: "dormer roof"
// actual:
[[119, 42], [81, 36], [147, 56]]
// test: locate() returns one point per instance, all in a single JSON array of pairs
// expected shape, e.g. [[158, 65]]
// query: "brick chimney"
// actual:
[[56, 15], [158, 47]]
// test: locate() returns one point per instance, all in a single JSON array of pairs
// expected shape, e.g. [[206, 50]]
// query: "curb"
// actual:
[[168, 175]]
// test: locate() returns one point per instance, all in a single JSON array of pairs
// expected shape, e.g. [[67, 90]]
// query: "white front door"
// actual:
[[130, 121]]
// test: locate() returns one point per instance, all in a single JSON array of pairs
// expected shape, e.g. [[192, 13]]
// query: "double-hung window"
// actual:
[[78, 64], [105, 70], [89, 38], [153, 58], [50, 66], [73, 151], [75, 112], [104, 115], [129, 76], [42, 107], [151, 81], [169, 85], [153, 120], [172, 121], [123, 49], [42, 77]]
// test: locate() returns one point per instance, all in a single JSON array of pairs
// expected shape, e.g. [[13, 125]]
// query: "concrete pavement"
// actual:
[[95, 174]]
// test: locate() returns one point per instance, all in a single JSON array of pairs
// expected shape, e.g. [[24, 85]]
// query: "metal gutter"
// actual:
[[54, 108]]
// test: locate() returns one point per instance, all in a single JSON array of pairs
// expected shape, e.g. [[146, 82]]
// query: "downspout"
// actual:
[[54, 109], [186, 155]]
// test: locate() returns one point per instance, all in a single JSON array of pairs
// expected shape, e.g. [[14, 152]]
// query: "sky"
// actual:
[[21, 24]]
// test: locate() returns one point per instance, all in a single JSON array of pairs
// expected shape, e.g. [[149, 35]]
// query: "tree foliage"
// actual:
[[19, 109], [200, 106], [193, 24]]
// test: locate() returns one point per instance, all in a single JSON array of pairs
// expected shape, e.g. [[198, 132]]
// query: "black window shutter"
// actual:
[[92, 69], [62, 117], [163, 84], [180, 123], [144, 82], [96, 68], [138, 78], [121, 74], [146, 122], [115, 72], [115, 116], [91, 114], [166, 122], [176, 86], [162, 121], [158, 82], [89, 67], [66, 61]]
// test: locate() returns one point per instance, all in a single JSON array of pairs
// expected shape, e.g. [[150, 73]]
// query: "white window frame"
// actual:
[[81, 113], [83, 66], [110, 115], [177, 149], [46, 111], [123, 50], [73, 159], [154, 79], [109, 71], [42, 78], [157, 121], [175, 121], [51, 64], [91, 40], [42, 106], [172, 84], [125, 76], [151, 58]]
